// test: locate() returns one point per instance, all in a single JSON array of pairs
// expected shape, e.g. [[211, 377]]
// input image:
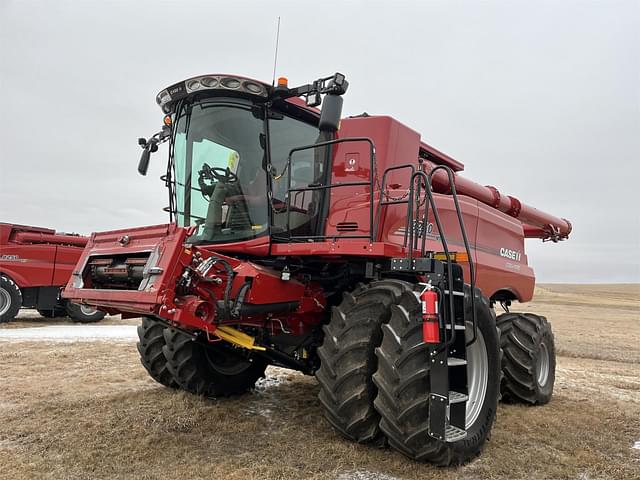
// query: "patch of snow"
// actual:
[[274, 376], [594, 383], [636, 445], [364, 475], [268, 382], [71, 333]]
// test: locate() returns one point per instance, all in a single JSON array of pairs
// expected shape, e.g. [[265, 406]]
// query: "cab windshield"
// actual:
[[219, 158]]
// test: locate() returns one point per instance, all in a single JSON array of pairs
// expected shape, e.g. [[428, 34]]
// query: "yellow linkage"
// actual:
[[236, 337]]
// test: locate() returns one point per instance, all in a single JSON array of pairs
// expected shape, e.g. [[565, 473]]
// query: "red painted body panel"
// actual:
[[488, 229], [38, 257]]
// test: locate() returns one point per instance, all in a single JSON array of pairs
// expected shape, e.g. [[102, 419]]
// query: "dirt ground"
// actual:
[[89, 410]]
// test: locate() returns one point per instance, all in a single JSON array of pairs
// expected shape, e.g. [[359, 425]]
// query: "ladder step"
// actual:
[[457, 327], [453, 434], [456, 362], [457, 397], [455, 293]]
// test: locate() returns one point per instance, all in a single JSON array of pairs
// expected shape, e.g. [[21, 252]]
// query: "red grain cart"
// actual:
[[347, 249], [35, 263]]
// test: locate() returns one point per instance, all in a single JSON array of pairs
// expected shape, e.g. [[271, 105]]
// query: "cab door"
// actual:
[[308, 167]]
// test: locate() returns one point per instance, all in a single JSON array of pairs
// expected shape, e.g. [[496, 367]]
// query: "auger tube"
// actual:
[[537, 224]]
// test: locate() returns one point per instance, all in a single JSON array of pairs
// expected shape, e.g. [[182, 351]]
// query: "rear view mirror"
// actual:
[[148, 147], [331, 113], [143, 165]]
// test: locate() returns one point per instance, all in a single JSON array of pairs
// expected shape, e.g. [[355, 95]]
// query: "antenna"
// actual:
[[275, 59]]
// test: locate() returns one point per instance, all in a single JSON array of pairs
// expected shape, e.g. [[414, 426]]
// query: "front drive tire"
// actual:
[[348, 360], [83, 313], [10, 299], [215, 370], [150, 345], [404, 385], [529, 361]]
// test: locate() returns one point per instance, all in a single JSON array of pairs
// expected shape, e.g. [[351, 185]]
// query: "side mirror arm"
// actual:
[[151, 145]]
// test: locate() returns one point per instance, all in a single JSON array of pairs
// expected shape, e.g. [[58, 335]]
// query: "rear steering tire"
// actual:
[[529, 361], [403, 384], [83, 313], [348, 360], [150, 344], [10, 299], [216, 370]]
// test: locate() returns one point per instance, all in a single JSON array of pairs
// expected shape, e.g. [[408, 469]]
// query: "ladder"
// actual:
[[449, 389]]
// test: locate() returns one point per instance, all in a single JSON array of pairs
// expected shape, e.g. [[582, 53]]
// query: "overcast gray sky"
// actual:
[[541, 99]]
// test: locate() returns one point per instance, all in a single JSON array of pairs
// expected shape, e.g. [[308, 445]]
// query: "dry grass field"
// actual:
[[89, 410]]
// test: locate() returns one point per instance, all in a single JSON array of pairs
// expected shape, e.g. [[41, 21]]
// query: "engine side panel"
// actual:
[[28, 265], [501, 258]]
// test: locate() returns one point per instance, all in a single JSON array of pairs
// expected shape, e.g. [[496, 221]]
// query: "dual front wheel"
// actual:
[[176, 360], [375, 375]]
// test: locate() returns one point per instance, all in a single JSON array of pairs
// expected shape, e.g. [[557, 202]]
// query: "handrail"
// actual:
[[370, 183], [420, 175], [472, 273], [383, 203]]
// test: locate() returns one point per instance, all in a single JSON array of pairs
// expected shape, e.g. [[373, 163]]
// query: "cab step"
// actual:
[[457, 327], [456, 362], [457, 397], [454, 434]]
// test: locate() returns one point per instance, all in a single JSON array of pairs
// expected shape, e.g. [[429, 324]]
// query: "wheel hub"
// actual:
[[477, 376], [226, 362], [5, 301], [542, 365], [87, 310]]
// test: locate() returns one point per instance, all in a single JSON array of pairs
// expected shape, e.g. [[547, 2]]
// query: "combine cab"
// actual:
[[347, 249], [35, 263]]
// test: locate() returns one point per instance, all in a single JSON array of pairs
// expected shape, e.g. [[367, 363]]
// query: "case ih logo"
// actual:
[[512, 254]]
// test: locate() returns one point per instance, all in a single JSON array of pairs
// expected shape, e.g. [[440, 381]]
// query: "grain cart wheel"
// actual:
[[403, 384], [10, 299], [83, 313], [529, 361], [348, 360], [150, 344], [216, 370]]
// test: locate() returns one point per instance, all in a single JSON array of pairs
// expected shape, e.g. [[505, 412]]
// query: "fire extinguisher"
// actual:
[[430, 320]]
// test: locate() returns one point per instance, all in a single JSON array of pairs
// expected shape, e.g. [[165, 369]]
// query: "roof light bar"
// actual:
[[208, 82]]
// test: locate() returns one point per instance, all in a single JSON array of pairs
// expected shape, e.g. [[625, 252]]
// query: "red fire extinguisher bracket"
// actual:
[[430, 316]]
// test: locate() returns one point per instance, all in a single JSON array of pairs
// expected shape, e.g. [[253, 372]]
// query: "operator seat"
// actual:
[[240, 216]]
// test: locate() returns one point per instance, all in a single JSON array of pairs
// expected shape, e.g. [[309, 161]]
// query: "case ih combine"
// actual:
[[35, 263], [345, 249]]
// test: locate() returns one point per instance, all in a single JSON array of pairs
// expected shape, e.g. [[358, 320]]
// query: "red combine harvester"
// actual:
[[345, 248], [35, 263]]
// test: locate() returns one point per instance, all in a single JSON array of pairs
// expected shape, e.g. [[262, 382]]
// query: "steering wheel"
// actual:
[[223, 175], [213, 175], [220, 174]]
